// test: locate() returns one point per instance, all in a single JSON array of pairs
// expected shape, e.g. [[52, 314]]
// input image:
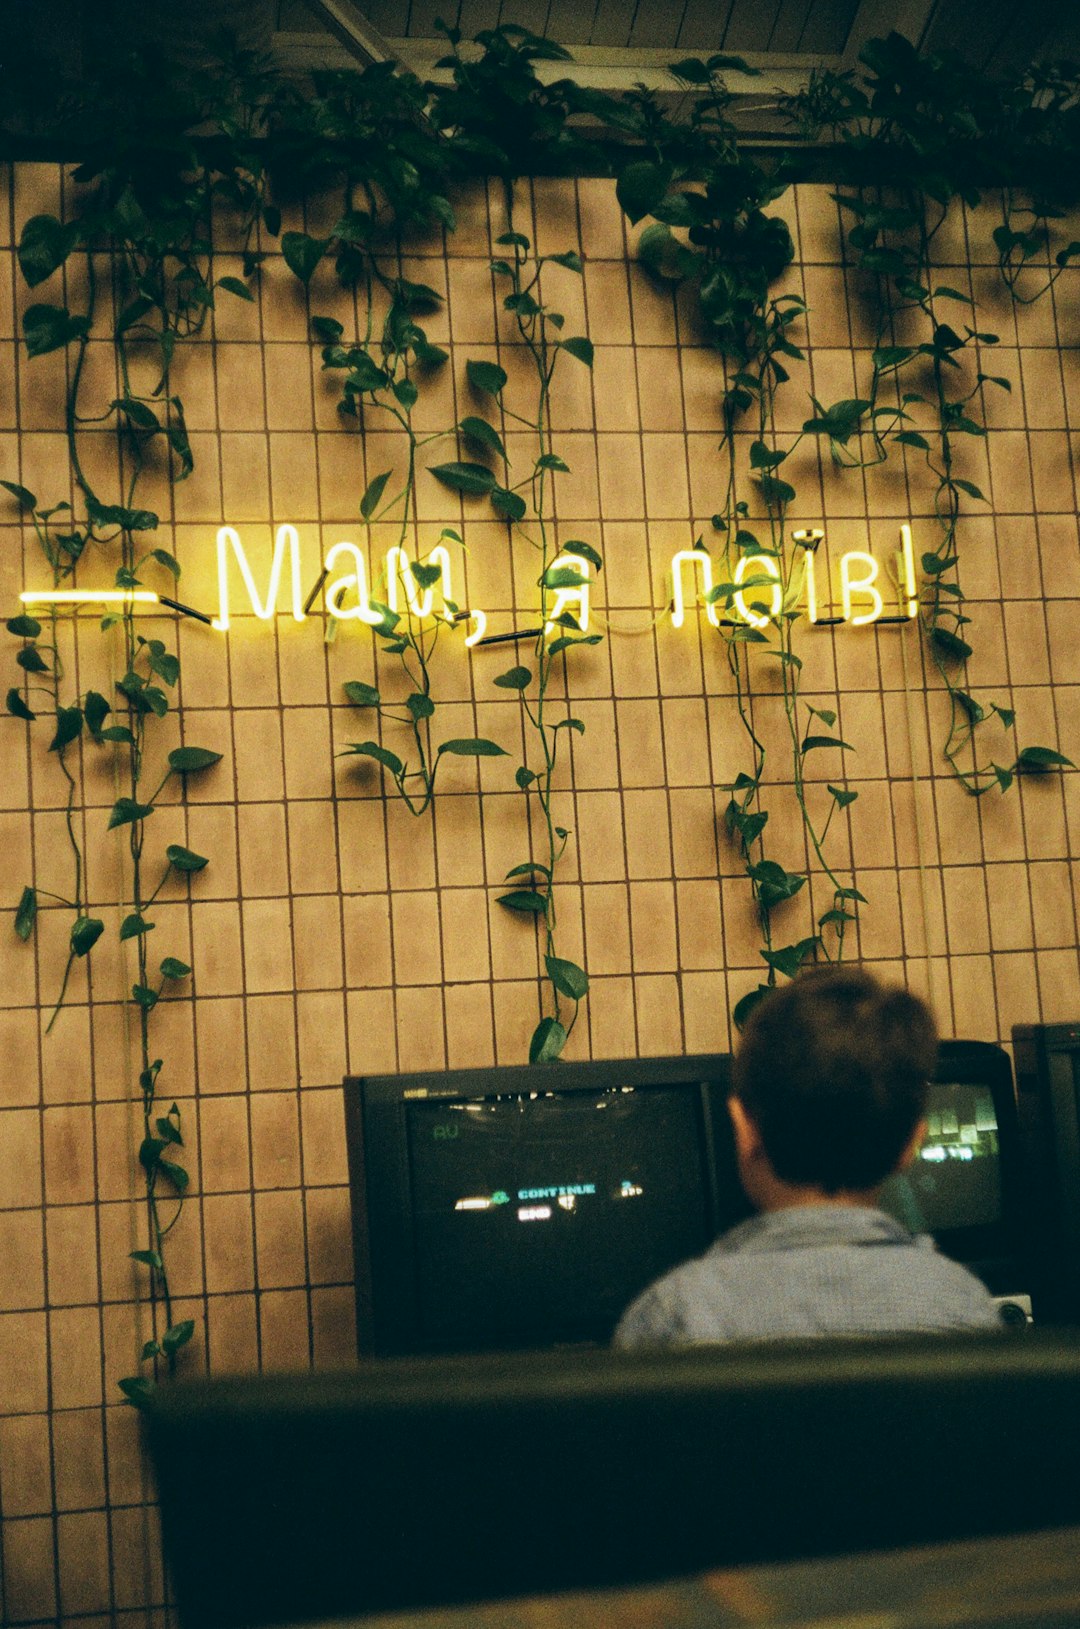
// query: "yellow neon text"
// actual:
[[357, 579], [907, 558], [285, 539], [771, 568], [697, 559], [575, 600], [399, 569], [88, 596], [851, 584]]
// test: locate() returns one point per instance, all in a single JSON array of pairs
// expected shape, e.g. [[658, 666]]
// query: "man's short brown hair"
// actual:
[[833, 1068]]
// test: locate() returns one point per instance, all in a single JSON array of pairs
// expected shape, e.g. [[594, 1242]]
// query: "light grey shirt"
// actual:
[[809, 1270]]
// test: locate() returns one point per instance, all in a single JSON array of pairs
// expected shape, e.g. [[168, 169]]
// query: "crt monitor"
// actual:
[[1048, 1088], [964, 1185], [527, 1206]]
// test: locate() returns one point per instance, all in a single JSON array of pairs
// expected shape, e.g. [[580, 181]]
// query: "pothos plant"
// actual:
[[928, 132], [383, 372], [711, 230], [151, 185]]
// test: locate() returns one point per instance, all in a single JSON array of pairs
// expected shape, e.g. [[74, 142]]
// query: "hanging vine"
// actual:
[[152, 187], [926, 130]]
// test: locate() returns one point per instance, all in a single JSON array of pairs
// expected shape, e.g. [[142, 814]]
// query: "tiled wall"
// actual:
[[332, 932]]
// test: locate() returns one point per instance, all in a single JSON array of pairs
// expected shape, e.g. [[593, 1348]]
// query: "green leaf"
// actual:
[[580, 348], [571, 260], [372, 749], [549, 1038], [575, 724], [1006, 714], [143, 417], [472, 747], [487, 377], [51, 327], [762, 457], [526, 900], [26, 914], [115, 514], [525, 777], [69, 723], [179, 1179], [117, 732], [302, 253], [179, 1334], [790, 958], [1037, 758], [362, 695], [743, 1008], [835, 917], [969, 487], [419, 706], [773, 883], [182, 760], [842, 796], [406, 393], [18, 707], [44, 245], [370, 501], [851, 893], [183, 859], [1004, 777], [149, 1258], [564, 642], [173, 969], [85, 933], [529, 868], [138, 1389], [134, 926], [950, 645], [26, 498], [892, 356], [29, 658], [826, 714], [144, 997], [810, 742], [133, 314], [554, 462], [641, 186], [471, 478], [509, 504], [169, 561], [235, 286], [480, 431], [912, 438], [563, 577], [515, 679], [567, 977], [126, 811]]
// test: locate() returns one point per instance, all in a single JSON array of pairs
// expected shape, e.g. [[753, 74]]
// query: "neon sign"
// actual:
[[429, 593]]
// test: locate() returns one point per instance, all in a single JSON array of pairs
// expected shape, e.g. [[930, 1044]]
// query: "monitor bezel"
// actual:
[[384, 1248]]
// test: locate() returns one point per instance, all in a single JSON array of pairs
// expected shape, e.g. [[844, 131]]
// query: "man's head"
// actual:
[[830, 1082]]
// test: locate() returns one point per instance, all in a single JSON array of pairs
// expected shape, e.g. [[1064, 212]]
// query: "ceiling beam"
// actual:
[[347, 23], [619, 68]]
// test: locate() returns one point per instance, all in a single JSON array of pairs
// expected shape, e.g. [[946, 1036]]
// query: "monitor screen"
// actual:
[[955, 1180], [549, 1211], [527, 1207]]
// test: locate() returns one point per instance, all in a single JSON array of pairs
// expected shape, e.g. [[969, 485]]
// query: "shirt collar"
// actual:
[[807, 1227]]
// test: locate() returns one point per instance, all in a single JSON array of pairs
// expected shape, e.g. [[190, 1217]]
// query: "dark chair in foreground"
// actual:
[[414, 1483]]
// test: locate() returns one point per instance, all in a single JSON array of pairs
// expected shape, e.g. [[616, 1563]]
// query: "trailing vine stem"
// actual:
[[154, 209], [563, 571]]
